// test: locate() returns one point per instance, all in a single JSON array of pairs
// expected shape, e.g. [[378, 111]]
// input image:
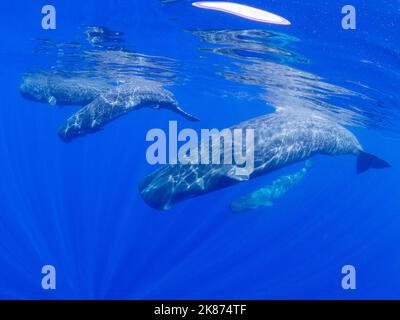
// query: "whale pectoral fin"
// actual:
[[52, 100], [238, 174], [186, 115]]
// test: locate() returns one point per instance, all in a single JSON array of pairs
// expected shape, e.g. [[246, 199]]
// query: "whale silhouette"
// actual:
[[280, 139], [103, 100], [266, 195]]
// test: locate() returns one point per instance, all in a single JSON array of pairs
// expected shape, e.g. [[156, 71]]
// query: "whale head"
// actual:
[[77, 125], [162, 188]]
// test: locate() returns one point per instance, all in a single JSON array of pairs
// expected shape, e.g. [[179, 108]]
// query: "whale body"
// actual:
[[117, 102], [62, 91], [280, 139], [265, 196], [103, 100]]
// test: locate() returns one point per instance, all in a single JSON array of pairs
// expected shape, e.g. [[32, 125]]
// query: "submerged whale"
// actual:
[[103, 100], [280, 139], [265, 196], [117, 102], [62, 91]]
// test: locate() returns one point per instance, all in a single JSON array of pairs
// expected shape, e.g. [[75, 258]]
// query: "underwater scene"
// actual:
[[173, 149]]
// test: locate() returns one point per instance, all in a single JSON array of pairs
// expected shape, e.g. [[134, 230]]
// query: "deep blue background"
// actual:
[[76, 206]]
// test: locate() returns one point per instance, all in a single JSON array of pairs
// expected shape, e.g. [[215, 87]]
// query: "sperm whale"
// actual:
[[280, 139]]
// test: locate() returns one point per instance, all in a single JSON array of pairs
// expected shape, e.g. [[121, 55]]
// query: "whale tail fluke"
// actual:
[[366, 161]]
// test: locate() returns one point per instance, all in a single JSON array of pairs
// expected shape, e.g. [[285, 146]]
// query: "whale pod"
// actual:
[[103, 101]]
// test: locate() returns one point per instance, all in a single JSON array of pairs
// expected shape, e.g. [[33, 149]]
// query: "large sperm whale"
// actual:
[[280, 139], [103, 100]]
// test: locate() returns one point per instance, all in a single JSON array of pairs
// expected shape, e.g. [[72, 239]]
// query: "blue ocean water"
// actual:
[[77, 206]]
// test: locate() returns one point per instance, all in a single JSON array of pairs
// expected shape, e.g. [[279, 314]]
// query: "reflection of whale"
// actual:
[[279, 139], [264, 197], [104, 101]]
